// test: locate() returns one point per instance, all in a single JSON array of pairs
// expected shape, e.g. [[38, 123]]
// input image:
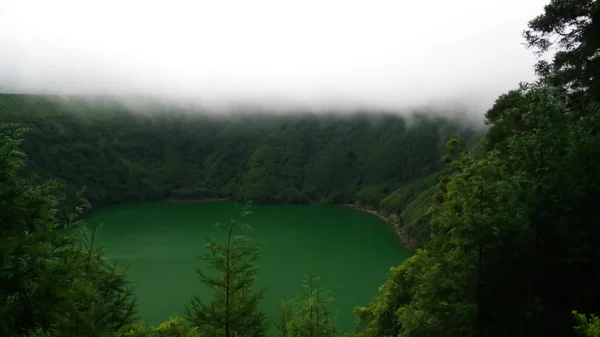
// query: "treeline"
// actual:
[[514, 244], [121, 153]]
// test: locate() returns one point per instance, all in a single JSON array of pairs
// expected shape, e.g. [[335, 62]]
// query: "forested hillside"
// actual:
[[121, 153], [514, 246]]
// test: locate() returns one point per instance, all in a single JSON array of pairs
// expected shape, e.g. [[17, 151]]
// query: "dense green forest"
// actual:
[[513, 231], [121, 153]]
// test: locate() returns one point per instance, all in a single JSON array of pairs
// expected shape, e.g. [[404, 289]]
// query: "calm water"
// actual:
[[351, 251]]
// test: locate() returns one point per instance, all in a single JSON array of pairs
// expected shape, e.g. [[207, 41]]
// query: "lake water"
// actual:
[[351, 251]]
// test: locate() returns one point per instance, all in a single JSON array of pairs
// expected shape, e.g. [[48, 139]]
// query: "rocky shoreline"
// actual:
[[392, 219], [187, 201]]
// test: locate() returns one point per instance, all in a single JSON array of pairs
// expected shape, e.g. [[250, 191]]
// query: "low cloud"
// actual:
[[319, 54]]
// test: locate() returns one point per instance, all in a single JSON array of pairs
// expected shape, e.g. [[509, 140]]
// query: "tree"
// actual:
[[516, 224], [505, 118], [175, 327], [308, 314], [573, 26], [284, 316], [53, 279], [233, 310]]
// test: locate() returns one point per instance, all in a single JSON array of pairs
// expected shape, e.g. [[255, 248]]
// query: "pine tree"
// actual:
[[284, 316], [308, 314], [53, 281], [233, 310]]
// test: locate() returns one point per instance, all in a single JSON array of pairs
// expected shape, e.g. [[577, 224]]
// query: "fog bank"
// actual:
[[319, 54]]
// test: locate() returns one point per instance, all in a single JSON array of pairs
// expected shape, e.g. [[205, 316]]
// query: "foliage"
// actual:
[[587, 327], [380, 318], [505, 118], [573, 28], [512, 245], [176, 327], [285, 314], [307, 315], [396, 201], [525, 206], [135, 330], [157, 152], [233, 311], [416, 216], [53, 279]]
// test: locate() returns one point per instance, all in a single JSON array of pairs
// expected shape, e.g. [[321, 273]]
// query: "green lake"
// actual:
[[351, 251]]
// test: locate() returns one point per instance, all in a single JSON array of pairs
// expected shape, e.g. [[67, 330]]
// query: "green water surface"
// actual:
[[351, 251]]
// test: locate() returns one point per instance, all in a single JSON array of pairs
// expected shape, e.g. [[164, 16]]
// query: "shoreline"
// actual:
[[191, 200], [406, 241]]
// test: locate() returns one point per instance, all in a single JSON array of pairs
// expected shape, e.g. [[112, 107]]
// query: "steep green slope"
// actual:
[[399, 199]]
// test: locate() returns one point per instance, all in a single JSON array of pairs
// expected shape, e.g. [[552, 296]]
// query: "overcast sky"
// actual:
[[389, 54]]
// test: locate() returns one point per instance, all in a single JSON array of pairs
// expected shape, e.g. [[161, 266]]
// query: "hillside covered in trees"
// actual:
[[121, 153], [513, 248]]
